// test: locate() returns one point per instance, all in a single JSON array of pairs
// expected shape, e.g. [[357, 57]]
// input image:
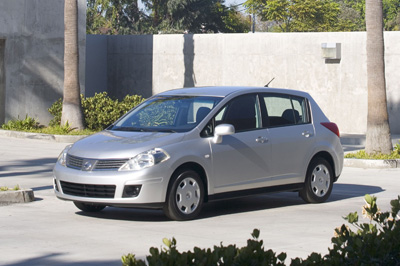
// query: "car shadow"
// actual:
[[233, 206], [57, 259], [128, 214], [250, 204], [345, 191]]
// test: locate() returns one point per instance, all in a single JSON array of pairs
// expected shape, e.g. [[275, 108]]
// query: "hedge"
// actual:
[[99, 111], [376, 242]]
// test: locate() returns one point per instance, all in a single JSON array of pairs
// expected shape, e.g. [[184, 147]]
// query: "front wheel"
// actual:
[[185, 197], [319, 181], [88, 207]]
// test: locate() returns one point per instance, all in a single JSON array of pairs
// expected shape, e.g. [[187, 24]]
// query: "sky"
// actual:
[[234, 2], [227, 2]]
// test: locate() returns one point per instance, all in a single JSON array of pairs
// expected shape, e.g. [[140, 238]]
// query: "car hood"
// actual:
[[121, 144]]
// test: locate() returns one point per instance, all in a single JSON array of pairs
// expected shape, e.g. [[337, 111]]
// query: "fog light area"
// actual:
[[131, 191]]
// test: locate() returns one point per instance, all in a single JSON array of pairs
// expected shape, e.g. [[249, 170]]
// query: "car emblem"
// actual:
[[88, 165]]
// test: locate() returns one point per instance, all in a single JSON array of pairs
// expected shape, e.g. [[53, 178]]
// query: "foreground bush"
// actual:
[[99, 111], [376, 242]]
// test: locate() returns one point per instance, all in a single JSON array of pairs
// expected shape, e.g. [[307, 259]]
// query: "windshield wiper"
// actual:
[[128, 129], [167, 130], [137, 129]]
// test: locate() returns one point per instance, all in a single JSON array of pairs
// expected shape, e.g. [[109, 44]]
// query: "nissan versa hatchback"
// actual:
[[182, 148]]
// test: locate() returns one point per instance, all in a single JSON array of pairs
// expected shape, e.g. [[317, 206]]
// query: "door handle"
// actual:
[[261, 140], [307, 134]]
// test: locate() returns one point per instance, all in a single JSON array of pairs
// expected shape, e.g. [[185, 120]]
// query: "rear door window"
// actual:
[[284, 110]]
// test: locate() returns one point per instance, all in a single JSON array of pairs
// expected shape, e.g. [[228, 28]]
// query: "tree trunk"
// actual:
[[378, 130], [72, 109]]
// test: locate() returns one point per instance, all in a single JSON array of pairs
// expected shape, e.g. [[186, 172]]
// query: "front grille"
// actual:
[[109, 164], [74, 162], [99, 165], [86, 190]]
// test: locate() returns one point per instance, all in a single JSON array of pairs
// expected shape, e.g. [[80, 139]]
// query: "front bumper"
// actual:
[[152, 182]]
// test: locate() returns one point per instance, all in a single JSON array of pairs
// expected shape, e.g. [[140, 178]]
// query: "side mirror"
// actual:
[[222, 130]]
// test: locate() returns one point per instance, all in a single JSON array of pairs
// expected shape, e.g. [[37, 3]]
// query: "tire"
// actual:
[[319, 181], [88, 207], [185, 197]]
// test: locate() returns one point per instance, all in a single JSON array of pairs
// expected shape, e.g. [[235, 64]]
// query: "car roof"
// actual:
[[223, 91]]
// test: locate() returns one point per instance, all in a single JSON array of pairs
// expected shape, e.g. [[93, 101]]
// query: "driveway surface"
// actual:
[[49, 231]]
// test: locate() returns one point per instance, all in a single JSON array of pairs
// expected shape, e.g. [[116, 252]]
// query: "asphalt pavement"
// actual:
[[49, 231]]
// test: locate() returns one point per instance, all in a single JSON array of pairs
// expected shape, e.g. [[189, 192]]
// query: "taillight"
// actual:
[[332, 127]]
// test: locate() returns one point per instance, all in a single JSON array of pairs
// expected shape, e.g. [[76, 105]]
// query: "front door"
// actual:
[[241, 160]]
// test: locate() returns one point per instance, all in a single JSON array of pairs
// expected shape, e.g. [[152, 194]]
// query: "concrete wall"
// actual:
[[293, 59], [96, 70], [2, 81], [33, 33], [120, 65]]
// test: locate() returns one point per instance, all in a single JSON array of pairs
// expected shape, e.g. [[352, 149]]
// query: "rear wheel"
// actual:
[[319, 181], [88, 207], [185, 197]]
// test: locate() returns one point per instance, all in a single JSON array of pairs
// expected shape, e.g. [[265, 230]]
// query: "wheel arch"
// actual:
[[328, 157], [195, 167]]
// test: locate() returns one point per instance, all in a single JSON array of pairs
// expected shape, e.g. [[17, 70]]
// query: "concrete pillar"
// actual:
[[2, 82]]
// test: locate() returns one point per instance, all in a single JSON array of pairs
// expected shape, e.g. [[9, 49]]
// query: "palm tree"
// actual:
[[72, 109], [378, 130]]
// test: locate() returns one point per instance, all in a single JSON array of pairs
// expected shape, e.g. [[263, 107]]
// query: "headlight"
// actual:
[[145, 160], [62, 158]]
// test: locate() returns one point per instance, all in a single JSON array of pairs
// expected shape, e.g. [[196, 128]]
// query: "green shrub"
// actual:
[[396, 148], [62, 130], [395, 154], [32, 125], [27, 124], [99, 111], [252, 254], [5, 188], [376, 242], [56, 110]]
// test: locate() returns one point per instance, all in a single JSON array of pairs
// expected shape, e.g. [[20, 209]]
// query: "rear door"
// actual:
[[290, 133]]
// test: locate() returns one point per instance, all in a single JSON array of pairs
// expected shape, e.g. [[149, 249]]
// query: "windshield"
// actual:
[[167, 114]]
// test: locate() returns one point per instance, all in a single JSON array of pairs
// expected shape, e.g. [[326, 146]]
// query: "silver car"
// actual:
[[182, 148]]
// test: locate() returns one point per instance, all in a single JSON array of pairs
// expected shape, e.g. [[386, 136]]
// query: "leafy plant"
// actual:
[[5, 188], [32, 125], [99, 111], [376, 242], [56, 111], [396, 148], [252, 254], [395, 154], [62, 130], [26, 124]]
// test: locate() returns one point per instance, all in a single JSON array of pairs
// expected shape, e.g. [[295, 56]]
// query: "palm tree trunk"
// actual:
[[378, 130], [72, 109]]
